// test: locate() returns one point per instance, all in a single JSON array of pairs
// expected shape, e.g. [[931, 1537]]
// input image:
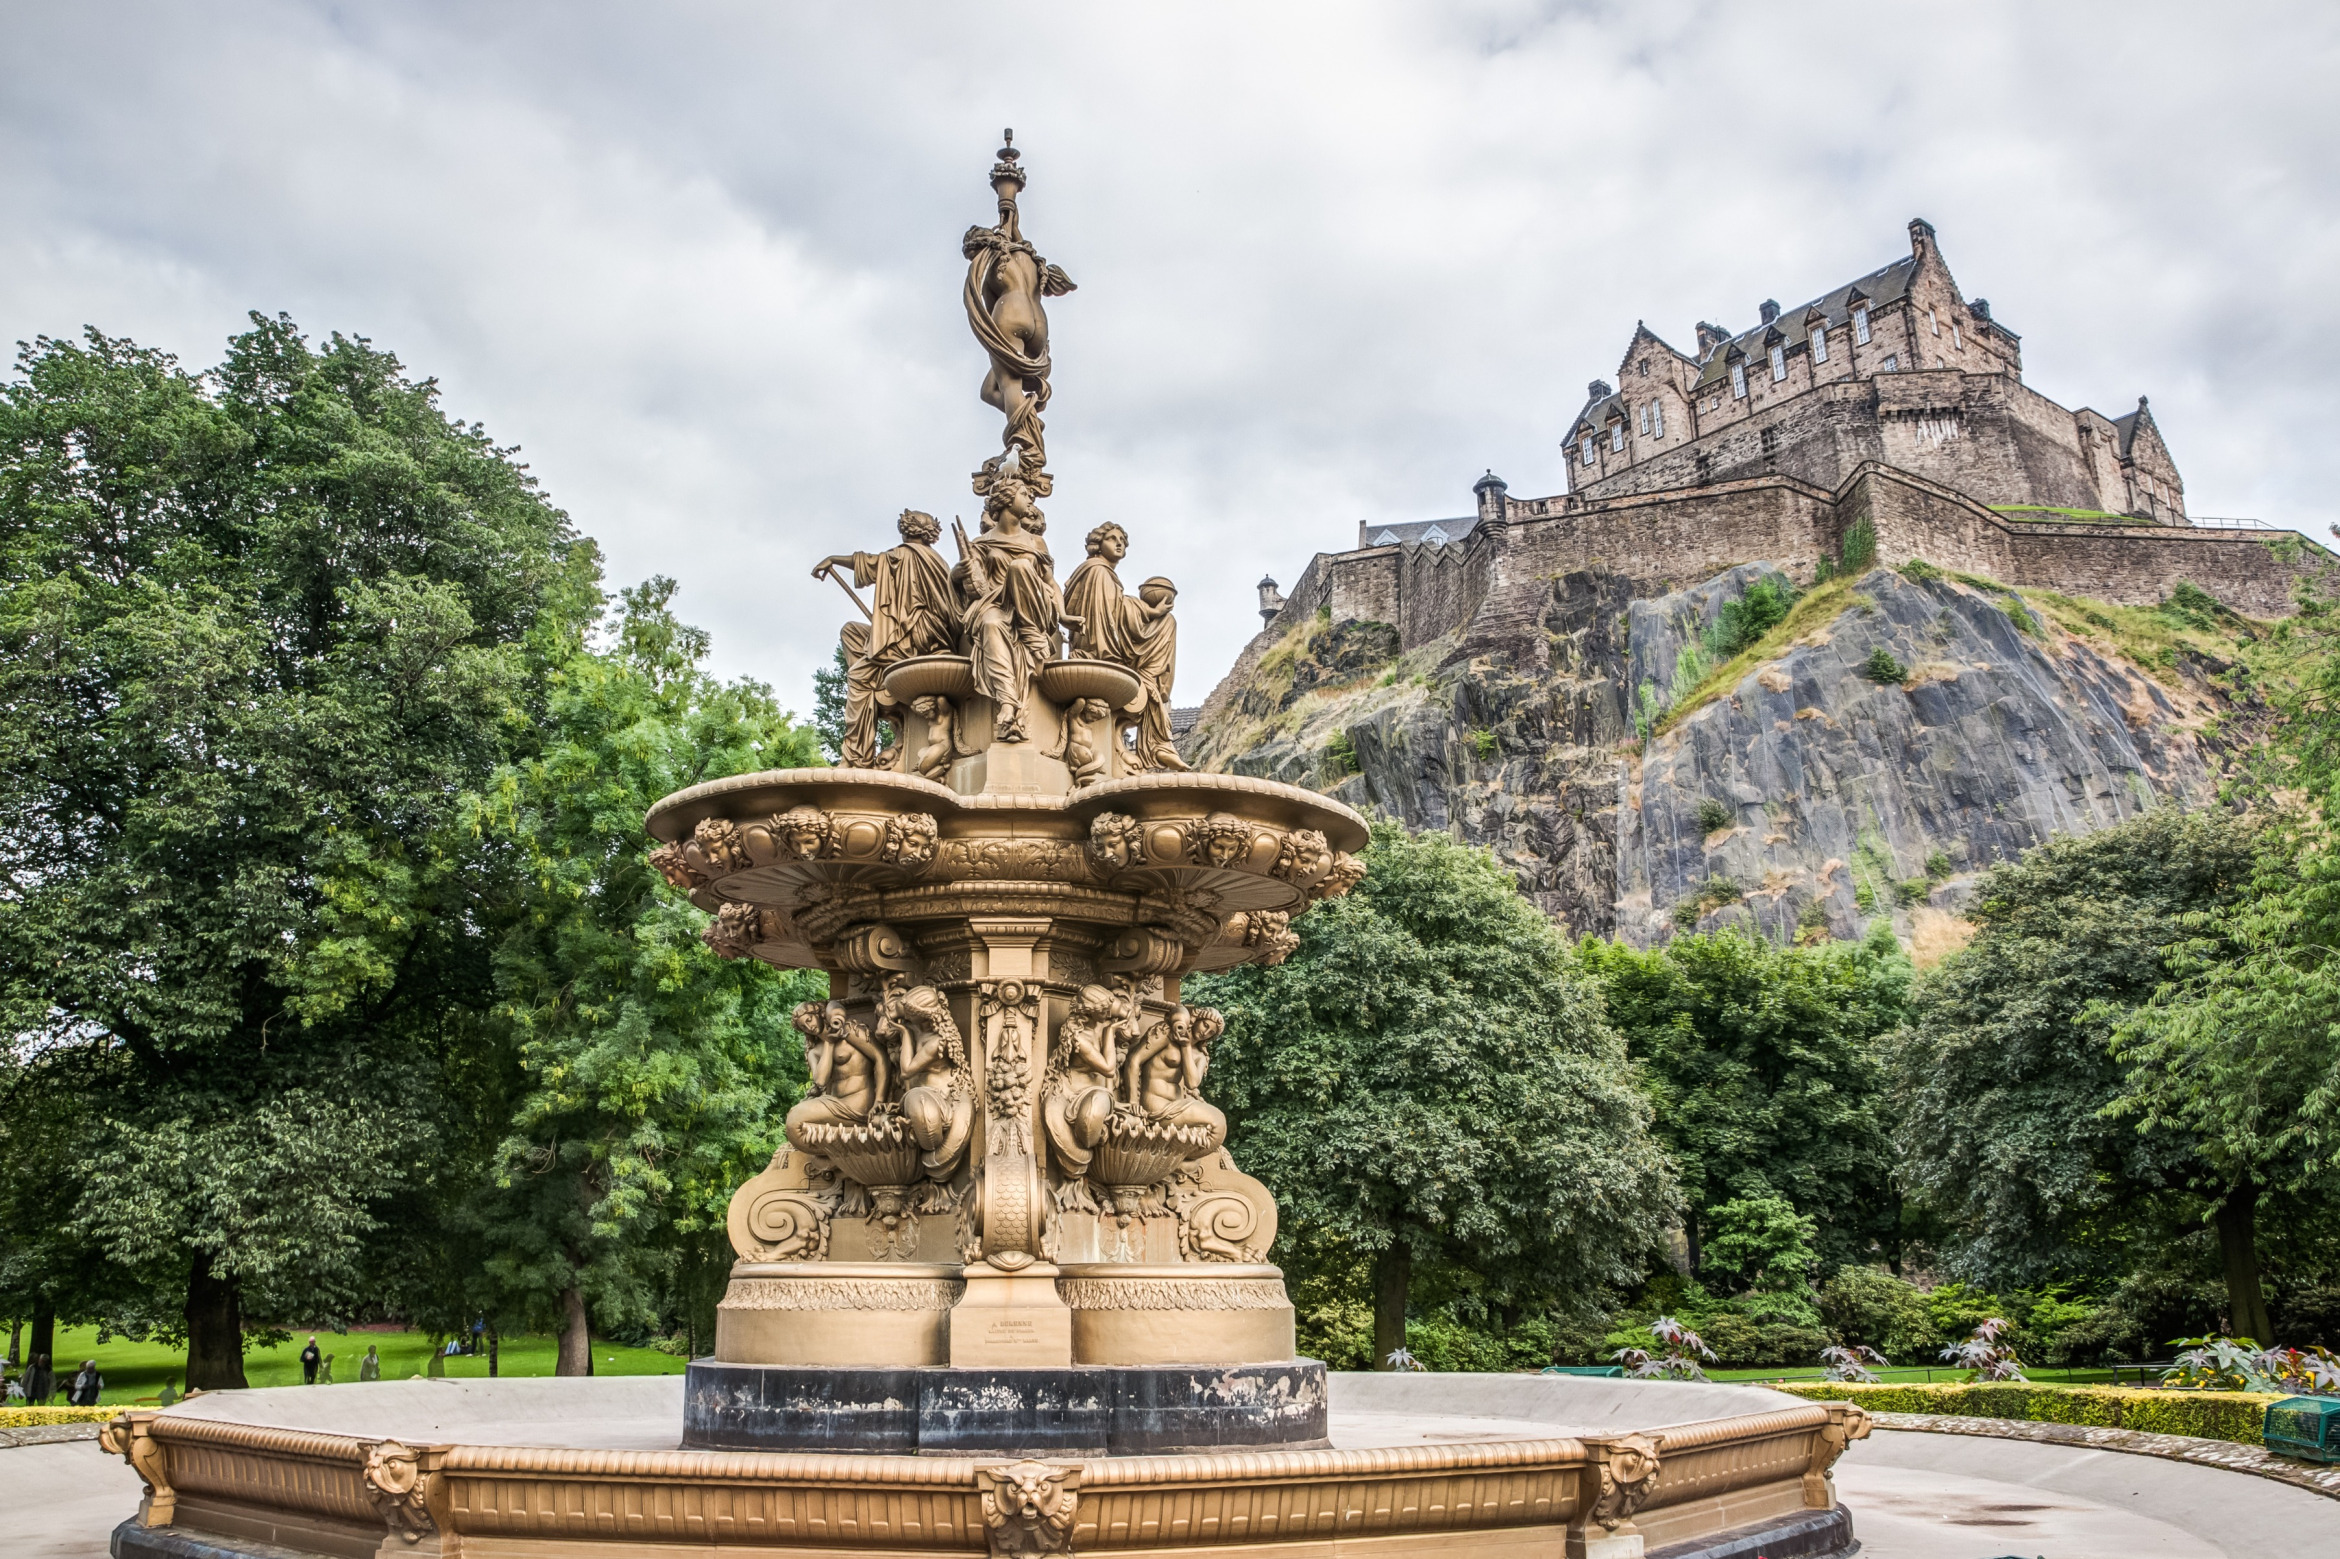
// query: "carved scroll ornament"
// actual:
[[1628, 1471], [130, 1436], [400, 1488], [1029, 1507]]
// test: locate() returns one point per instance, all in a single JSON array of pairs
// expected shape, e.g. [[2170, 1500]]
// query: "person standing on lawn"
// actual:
[[370, 1367], [86, 1385], [309, 1358], [40, 1381]]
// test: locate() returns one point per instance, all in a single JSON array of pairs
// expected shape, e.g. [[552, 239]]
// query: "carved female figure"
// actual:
[[1006, 279], [1166, 1073], [848, 1072], [1079, 1096], [938, 1093], [1014, 609]]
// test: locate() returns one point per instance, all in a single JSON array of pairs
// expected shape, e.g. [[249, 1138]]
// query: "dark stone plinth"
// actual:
[[1090, 1409], [1808, 1534]]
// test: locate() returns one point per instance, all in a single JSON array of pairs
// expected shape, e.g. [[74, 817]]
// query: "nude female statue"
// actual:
[[1078, 1100], [848, 1072], [938, 1094], [1166, 1073]]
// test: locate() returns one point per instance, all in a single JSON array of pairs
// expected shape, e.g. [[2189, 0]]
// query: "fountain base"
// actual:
[[1089, 1410]]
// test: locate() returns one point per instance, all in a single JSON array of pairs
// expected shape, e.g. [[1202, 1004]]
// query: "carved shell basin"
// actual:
[[945, 676], [863, 844], [1062, 681], [1142, 1153]]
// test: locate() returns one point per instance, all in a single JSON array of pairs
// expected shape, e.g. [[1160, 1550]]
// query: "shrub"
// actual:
[[1869, 1305], [1484, 740], [1343, 753], [1855, 1363], [1882, 668], [1740, 623], [1713, 815], [1864, 897], [1860, 547], [28, 1417], [1986, 1353], [1684, 1348], [1937, 864], [2206, 1415], [1913, 891]]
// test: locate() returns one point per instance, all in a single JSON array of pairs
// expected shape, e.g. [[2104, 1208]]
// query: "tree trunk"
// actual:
[[492, 1341], [2238, 1252], [215, 1329], [43, 1338], [1393, 1274], [576, 1353]]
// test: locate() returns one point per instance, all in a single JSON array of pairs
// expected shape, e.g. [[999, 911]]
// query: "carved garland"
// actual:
[[719, 847]]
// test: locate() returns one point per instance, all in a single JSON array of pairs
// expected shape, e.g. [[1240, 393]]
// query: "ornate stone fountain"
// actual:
[[1006, 1164], [1005, 1220]]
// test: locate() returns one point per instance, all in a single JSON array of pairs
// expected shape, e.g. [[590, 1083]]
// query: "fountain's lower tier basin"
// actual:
[[1098, 1410], [1451, 1466]]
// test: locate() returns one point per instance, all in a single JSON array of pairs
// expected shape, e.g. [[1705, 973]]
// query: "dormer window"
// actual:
[[1435, 536], [1860, 327], [1778, 363], [1588, 449], [1617, 435], [1739, 380], [1819, 343]]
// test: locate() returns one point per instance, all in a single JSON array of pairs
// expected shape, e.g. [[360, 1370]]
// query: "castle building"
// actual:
[[1886, 419], [1898, 367]]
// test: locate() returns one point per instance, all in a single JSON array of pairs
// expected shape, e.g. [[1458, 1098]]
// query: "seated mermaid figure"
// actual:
[[938, 1094], [1166, 1072], [1077, 1099], [848, 1072]]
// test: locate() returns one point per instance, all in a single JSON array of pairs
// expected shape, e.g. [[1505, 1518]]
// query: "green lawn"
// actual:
[[137, 1369], [1911, 1375]]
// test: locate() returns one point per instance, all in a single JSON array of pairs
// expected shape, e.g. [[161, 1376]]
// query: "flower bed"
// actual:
[[27, 1417], [2205, 1415]]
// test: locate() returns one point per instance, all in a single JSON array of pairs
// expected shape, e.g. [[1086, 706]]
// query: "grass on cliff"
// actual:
[[2060, 516], [2155, 637], [1816, 608]]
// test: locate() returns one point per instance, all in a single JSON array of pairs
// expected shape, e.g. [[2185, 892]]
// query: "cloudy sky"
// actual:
[[701, 260]]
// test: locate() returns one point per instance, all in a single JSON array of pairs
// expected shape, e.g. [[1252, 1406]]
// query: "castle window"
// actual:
[[1932, 323], [1778, 364], [1657, 418], [1820, 345], [1860, 327], [1617, 435], [1771, 441], [1588, 453], [1739, 380], [1892, 362], [1955, 342], [1645, 419]]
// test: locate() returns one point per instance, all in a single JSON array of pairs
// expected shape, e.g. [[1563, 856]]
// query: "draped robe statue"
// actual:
[[1014, 609], [913, 612], [1006, 279]]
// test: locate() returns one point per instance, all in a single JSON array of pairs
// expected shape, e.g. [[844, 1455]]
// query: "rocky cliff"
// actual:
[[1684, 760]]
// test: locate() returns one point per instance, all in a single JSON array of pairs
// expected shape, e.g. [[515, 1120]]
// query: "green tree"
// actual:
[[260, 630], [1428, 1085], [1769, 1251], [1765, 1068], [2006, 1079], [653, 1075]]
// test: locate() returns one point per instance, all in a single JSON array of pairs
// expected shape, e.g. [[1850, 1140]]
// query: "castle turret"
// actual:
[[1490, 490], [1271, 600]]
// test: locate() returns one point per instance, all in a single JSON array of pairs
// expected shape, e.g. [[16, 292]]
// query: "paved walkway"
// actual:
[[1913, 1496], [1935, 1496]]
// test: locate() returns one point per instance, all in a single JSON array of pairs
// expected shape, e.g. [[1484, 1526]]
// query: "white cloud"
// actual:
[[702, 260]]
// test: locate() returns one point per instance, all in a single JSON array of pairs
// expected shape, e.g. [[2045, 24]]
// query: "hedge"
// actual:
[[26, 1417], [2206, 1415]]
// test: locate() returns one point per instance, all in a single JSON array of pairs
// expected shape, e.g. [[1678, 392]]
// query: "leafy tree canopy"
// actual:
[[1765, 1068], [1428, 1082]]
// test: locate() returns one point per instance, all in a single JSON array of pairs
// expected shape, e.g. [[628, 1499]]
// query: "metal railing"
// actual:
[[2228, 522]]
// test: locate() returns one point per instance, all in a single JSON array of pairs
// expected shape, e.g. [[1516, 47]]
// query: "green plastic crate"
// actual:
[[2305, 1427]]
